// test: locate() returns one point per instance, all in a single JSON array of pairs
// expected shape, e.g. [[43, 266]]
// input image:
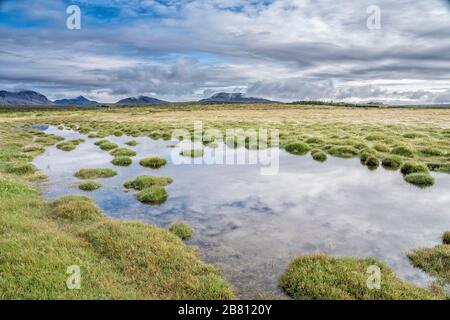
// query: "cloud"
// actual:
[[283, 49]]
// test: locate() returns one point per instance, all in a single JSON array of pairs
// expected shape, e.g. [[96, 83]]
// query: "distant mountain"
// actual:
[[226, 97], [23, 98], [78, 101], [141, 100]]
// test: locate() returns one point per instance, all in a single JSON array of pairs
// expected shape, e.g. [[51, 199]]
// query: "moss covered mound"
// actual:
[[153, 162], [420, 179], [131, 143], [66, 146], [106, 146], [153, 195], [181, 229], [372, 162], [146, 181], [392, 162], [125, 152], [413, 167], [323, 277], [297, 148], [159, 264], [89, 186], [318, 155], [75, 208], [122, 161], [95, 173]]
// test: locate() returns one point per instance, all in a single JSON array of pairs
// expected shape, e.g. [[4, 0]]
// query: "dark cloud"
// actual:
[[288, 50]]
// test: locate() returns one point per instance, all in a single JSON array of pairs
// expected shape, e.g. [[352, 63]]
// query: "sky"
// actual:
[[184, 50]]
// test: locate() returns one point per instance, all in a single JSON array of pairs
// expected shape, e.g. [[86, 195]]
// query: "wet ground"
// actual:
[[251, 225]]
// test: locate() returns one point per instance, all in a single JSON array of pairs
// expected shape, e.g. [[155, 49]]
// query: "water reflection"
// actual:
[[251, 225]]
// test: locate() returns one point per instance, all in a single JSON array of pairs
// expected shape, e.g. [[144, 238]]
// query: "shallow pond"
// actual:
[[251, 226]]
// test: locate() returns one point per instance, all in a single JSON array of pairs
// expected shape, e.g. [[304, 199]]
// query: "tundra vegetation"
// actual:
[[321, 277], [89, 186], [95, 173], [153, 162], [181, 229], [119, 258]]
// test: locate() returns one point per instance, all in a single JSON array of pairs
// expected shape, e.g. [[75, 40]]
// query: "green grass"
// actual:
[[181, 229], [372, 162], [75, 208], [435, 261], [33, 148], [157, 263], [413, 167], [106, 146], [392, 162], [131, 143], [121, 161], [95, 173], [153, 195], [89, 186], [193, 153], [431, 152], [153, 162], [297, 148], [343, 151], [420, 179], [146, 181], [69, 145], [404, 151], [21, 168], [10, 189], [123, 152], [318, 155], [321, 277]]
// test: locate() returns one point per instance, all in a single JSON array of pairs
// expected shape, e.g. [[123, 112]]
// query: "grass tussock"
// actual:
[[146, 181], [420, 179], [321, 277], [318, 155], [413, 167], [131, 143], [89, 186], [181, 229], [122, 161], [123, 152], [95, 173], [152, 195], [297, 148], [153, 162], [392, 162], [75, 209]]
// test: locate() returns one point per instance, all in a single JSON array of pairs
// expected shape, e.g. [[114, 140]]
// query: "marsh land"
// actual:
[[99, 188]]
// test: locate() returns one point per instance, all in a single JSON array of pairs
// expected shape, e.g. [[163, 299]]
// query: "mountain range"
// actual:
[[35, 98], [224, 97], [78, 101]]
